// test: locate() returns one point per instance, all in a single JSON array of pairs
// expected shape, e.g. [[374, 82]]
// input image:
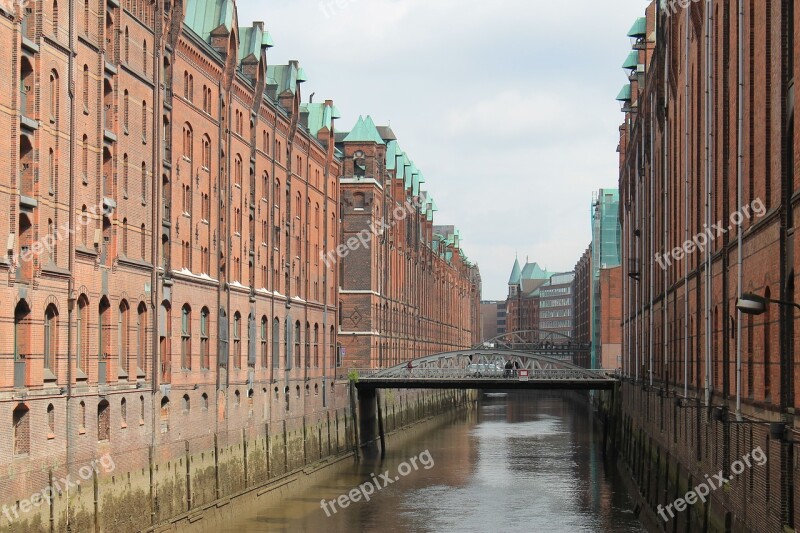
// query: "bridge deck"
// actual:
[[485, 383]]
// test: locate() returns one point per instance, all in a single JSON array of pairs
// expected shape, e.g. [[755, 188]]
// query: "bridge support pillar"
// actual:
[[368, 417]]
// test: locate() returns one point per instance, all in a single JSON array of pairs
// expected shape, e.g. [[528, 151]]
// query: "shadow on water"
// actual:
[[525, 461]]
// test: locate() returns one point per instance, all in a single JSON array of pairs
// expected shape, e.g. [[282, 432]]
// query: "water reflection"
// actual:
[[523, 462]]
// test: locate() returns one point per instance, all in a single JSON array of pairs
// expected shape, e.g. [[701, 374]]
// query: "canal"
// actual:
[[521, 462]]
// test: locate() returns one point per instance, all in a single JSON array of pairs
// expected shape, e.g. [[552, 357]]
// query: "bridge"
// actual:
[[486, 369]]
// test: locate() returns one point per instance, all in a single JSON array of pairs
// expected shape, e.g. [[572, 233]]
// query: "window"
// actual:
[[206, 152], [85, 159], [358, 200], [297, 354], [123, 413], [125, 175], [103, 421], [82, 344], [55, 18], [264, 354], [51, 168], [21, 424], [123, 334], [127, 45], [187, 404], [126, 112], [104, 339], [276, 347], [51, 421], [204, 339], [144, 122], [316, 345], [144, 183], [144, 57], [54, 97], [50, 341], [204, 402], [308, 346], [237, 175], [164, 415], [237, 340], [188, 141], [186, 338], [141, 337], [142, 242]]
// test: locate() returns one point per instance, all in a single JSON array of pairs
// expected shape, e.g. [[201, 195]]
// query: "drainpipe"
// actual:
[[708, 206], [652, 226], [687, 167], [740, 196], [665, 230], [71, 267]]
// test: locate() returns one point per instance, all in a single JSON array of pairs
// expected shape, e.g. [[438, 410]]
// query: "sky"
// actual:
[[506, 106]]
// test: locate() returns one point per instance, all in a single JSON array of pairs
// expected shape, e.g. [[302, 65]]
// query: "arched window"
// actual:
[[123, 413], [276, 347], [85, 159], [144, 182], [206, 152], [125, 237], [144, 121], [186, 85], [287, 349], [50, 341], [51, 421], [144, 57], [204, 338], [141, 338], [332, 350], [123, 333], [188, 141], [51, 171], [21, 425], [54, 97], [103, 334], [308, 345], [142, 242], [125, 176], [127, 45], [126, 112], [103, 421], [187, 404], [55, 18], [316, 345], [237, 340], [164, 415], [297, 353], [767, 350], [264, 354], [186, 337], [237, 175]]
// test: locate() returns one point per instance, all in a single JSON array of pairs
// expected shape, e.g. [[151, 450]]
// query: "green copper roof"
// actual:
[[515, 273], [534, 271], [250, 42], [639, 28], [205, 16], [632, 61], [391, 155], [266, 40], [284, 76], [319, 116], [301, 75], [364, 131], [625, 94], [415, 181]]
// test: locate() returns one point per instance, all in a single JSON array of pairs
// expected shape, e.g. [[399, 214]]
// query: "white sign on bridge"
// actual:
[[523, 375]]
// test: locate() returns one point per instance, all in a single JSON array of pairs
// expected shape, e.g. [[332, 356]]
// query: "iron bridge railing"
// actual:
[[462, 374]]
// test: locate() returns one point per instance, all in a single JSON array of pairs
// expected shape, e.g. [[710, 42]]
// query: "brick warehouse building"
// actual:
[[170, 202], [407, 290], [709, 132]]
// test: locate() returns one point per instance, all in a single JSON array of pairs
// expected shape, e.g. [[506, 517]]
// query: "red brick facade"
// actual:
[[683, 168], [407, 290]]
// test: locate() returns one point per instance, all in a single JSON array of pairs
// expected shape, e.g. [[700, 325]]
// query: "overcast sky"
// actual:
[[506, 106]]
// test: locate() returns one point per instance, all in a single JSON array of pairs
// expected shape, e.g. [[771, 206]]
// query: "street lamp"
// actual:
[[753, 304]]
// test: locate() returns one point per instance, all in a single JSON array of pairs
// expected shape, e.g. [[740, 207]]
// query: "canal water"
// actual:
[[527, 462]]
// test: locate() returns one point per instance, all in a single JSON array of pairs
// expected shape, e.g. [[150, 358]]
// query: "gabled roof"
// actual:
[[205, 16], [639, 28], [282, 76], [364, 131], [319, 116]]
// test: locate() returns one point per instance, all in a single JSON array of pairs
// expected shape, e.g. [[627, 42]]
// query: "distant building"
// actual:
[[609, 351], [606, 235], [522, 305], [556, 304], [493, 319], [582, 303]]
